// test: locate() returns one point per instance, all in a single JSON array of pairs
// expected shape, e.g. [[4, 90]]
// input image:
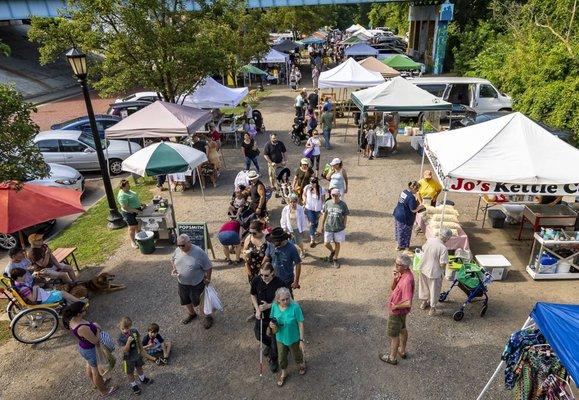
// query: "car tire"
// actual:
[[116, 166], [8, 241]]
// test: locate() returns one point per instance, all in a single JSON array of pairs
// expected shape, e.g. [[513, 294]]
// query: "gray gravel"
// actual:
[[344, 309]]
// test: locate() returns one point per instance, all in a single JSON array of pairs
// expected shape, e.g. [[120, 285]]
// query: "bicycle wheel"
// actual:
[[34, 325], [13, 309]]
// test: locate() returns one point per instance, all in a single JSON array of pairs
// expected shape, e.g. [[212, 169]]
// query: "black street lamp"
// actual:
[[77, 61]]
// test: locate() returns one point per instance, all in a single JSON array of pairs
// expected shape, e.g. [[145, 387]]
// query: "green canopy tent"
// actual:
[[352, 40], [400, 62], [251, 69]]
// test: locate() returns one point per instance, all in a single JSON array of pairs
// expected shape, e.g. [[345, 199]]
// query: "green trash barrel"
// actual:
[[146, 241]]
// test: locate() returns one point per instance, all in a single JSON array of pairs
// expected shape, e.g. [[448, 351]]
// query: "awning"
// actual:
[[349, 74], [272, 57], [361, 49], [400, 62], [160, 119], [212, 94], [373, 64], [252, 69]]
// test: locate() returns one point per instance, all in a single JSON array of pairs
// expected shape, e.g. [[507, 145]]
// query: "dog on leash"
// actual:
[[102, 283]]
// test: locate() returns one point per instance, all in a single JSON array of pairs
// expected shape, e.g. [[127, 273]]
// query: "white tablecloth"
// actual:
[[383, 139]]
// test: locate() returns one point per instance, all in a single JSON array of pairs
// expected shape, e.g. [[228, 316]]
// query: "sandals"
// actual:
[[330, 258], [303, 369], [112, 390], [281, 380], [403, 356], [188, 319], [386, 359]]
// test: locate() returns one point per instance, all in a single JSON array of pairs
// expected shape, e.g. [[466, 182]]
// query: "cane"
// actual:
[[260, 345]]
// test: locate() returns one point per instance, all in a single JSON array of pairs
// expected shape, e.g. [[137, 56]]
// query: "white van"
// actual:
[[476, 93]]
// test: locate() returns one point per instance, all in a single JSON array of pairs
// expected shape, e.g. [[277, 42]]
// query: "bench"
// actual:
[[62, 255]]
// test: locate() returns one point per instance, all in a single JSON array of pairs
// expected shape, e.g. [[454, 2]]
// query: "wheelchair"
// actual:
[[30, 323]]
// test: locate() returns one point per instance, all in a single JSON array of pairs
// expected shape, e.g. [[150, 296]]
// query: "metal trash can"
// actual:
[[146, 241]]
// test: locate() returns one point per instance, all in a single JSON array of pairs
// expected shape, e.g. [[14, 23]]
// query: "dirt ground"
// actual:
[[344, 309]]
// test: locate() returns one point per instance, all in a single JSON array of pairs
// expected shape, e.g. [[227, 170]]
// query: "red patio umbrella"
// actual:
[[23, 205]]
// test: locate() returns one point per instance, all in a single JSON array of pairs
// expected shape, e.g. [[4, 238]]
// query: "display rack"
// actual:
[[551, 247]]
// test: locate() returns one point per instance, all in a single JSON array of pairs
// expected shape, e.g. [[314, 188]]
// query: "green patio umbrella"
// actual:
[[251, 69], [401, 62]]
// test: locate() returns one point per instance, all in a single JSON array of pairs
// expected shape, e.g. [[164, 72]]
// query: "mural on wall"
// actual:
[[445, 16]]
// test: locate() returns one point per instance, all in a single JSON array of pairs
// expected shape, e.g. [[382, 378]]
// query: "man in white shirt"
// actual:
[[299, 103], [248, 111], [432, 267]]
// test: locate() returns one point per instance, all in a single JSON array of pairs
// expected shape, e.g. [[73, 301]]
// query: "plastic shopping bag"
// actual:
[[107, 341], [105, 360], [211, 301]]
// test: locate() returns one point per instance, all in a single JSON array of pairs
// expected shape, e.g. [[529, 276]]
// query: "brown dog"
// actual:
[[102, 283]]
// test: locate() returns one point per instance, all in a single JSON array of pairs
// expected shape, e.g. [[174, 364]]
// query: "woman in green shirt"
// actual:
[[287, 322], [130, 206]]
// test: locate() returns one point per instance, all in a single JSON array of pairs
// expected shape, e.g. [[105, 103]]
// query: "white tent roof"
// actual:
[[349, 74], [511, 149], [354, 28], [361, 49], [363, 33], [212, 94], [398, 94], [273, 57], [160, 119]]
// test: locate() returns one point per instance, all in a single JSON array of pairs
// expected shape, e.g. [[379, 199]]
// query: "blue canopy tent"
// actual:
[[313, 40], [559, 323]]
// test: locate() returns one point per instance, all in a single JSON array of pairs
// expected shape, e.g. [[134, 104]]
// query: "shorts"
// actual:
[[336, 237], [189, 294], [130, 218], [55, 297], [297, 237], [229, 238], [155, 352], [130, 364], [396, 323], [89, 355], [51, 272]]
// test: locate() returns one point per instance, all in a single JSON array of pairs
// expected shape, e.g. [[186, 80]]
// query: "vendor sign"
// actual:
[[478, 186]]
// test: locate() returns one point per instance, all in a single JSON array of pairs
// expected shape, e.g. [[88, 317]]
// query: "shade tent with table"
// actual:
[[209, 93], [400, 62], [274, 57], [286, 46], [349, 74], [360, 49], [559, 324], [249, 70], [373, 64], [396, 95]]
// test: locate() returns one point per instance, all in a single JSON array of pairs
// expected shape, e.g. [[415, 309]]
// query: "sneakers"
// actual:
[[208, 323], [134, 245], [164, 360], [424, 305], [136, 390], [146, 381]]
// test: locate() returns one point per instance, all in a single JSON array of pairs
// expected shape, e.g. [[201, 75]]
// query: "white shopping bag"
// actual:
[[211, 301]]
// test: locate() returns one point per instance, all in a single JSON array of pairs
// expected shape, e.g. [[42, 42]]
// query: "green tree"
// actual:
[[19, 158], [392, 15], [4, 49], [155, 44], [298, 20]]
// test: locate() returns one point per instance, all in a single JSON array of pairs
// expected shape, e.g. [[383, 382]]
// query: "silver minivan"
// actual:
[[476, 93]]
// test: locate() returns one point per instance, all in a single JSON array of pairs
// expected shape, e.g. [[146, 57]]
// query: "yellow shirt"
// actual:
[[429, 188]]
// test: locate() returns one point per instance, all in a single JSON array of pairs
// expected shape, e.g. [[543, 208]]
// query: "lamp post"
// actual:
[[77, 61]]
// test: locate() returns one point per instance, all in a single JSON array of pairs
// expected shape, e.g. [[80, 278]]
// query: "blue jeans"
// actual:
[[249, 160], [327, 133], [313, 217]]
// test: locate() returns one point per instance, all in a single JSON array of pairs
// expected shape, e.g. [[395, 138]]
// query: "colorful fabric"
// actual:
[[535, 365], [513, 350], [403, 233]]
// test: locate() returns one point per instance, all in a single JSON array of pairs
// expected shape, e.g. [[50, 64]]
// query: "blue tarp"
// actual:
[[313, 40], [559, 323]]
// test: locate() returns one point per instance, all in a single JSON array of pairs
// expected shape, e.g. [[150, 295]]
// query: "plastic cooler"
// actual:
[[146, 241]]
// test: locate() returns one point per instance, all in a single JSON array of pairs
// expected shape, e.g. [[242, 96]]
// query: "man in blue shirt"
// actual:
[[284, 257]]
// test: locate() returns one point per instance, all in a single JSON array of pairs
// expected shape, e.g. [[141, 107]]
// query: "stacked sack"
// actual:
[[433, 216]]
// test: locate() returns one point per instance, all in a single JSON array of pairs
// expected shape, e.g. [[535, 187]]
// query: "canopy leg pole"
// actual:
[[450, 121], [499, 367], [443, 209], [422, 163], [171, 197], [200, 183], [360, 134], [346, 131]]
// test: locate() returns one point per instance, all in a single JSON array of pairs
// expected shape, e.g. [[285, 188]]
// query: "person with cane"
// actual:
[[263, 288]]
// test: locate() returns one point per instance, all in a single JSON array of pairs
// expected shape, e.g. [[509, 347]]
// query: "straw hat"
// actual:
[[252, 175]]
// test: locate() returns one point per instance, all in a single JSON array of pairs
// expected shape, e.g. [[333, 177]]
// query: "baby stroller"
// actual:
[[473, 281], [298, 132]]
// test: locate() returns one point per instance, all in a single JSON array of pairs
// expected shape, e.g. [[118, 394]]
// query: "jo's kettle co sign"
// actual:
[[478, 186]]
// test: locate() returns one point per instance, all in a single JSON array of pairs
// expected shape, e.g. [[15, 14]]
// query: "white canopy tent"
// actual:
[[275, 57], [349, 74], [211, 94], [507, 155], [354, 28], [363, 33], [360, 49]]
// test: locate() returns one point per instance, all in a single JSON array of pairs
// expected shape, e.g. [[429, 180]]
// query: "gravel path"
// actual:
[[344, 309]]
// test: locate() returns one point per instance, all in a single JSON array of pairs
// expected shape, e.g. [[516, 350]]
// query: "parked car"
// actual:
[[77, 150], [151, 97], [103, 121], [126, 108], [563, 135], [10, 240], [477, 93], [61, 176]]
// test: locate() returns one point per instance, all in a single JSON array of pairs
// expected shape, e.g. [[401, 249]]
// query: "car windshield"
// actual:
[[89, 141]]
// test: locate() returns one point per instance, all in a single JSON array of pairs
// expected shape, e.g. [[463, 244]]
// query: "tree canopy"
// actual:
[[155, 44], [20, 159]]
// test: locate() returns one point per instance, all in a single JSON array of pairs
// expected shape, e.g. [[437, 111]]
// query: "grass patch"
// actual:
[[5, 334], [253, 101], [89, 233]]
